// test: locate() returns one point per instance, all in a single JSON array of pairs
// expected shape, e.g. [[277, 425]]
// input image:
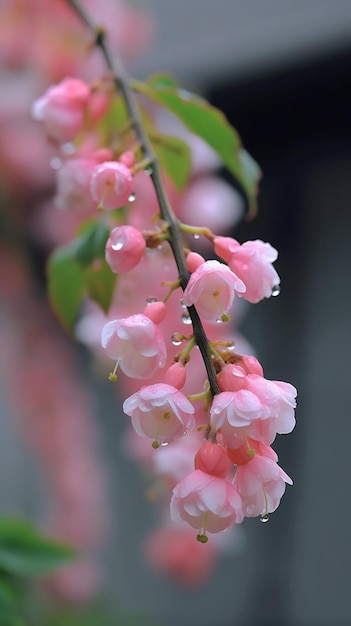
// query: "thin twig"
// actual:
[[121, 81]]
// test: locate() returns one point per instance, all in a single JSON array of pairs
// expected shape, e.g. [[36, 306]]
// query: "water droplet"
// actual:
[[196, 236], [118, 245], [264, 518], [164, 443], [182, 304], [151, 299], [219, 320], [186, 319], [132, 197], [276, 290], [148, 170], [55, 163], [176, 339], [231, 345]]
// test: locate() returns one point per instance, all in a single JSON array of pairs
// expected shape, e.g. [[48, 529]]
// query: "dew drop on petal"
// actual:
[[164, 443], [55, 163], [264, 518], [132, 197], [196, 236], [182, 304], [219, 321], [186, 319], [276, 290], [118, 245]]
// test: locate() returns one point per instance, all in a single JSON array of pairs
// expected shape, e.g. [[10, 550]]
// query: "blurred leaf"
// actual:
[[174, 157], [90, 244], [210, 124], [65, 285], [162, 81], [72, 274], [24, 552], [100, 283]]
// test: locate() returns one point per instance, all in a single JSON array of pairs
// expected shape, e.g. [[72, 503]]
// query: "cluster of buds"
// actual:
[[228, 409]]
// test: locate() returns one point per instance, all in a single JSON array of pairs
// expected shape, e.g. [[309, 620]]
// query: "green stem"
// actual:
[[122, 85]]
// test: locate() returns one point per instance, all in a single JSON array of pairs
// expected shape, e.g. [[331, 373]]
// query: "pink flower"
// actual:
[[207, 503], [261, 483], [62, 109], [211, 289], [124, 248], [73, 185], [137, 345], [252, 262], [111, 185], [279, 398], [160, 412], [173, 552]]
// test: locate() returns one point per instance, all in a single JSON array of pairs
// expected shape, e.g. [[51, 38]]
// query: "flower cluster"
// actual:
[[224, 469]]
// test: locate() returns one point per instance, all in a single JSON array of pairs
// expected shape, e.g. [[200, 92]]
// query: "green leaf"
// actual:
[[99, 282], [24, 552], [65, 285], [174, 157], [162, 81], [72, 273], [90, 245], [210, 124]]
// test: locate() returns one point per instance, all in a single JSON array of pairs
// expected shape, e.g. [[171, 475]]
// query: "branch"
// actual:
[[121, 82]]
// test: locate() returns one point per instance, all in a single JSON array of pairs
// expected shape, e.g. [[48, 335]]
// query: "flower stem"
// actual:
[[122, 85]]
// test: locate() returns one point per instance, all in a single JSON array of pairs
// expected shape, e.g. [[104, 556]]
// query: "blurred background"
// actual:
[[281, 72]]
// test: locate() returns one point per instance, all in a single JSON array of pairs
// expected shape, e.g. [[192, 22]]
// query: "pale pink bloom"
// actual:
[[62, 109], [261, 484], [207, 503], [236, 409], [279, 398], [124, 248], [211, 289], [252, 262], [73, 185], [111, 185], [176, 460], [160, 412], [212, 201], [174, 553], [137, 345]]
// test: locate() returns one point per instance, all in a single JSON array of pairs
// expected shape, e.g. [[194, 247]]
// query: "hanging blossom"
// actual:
[[160, 412], [111, 185], [124, 249], [207, 503], [211, 288], [62, 109], [252, 262], [260, 481], [136, 344]]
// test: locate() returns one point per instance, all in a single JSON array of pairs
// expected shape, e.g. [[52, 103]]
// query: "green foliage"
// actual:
[[174, 157], [78, 269], [210, 124], [24, 552]]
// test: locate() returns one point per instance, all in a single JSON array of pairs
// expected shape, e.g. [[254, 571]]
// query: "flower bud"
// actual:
[[124, 249], [212, 459]]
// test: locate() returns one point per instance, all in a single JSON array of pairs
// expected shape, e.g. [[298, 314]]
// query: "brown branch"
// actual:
[[121, 81]]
